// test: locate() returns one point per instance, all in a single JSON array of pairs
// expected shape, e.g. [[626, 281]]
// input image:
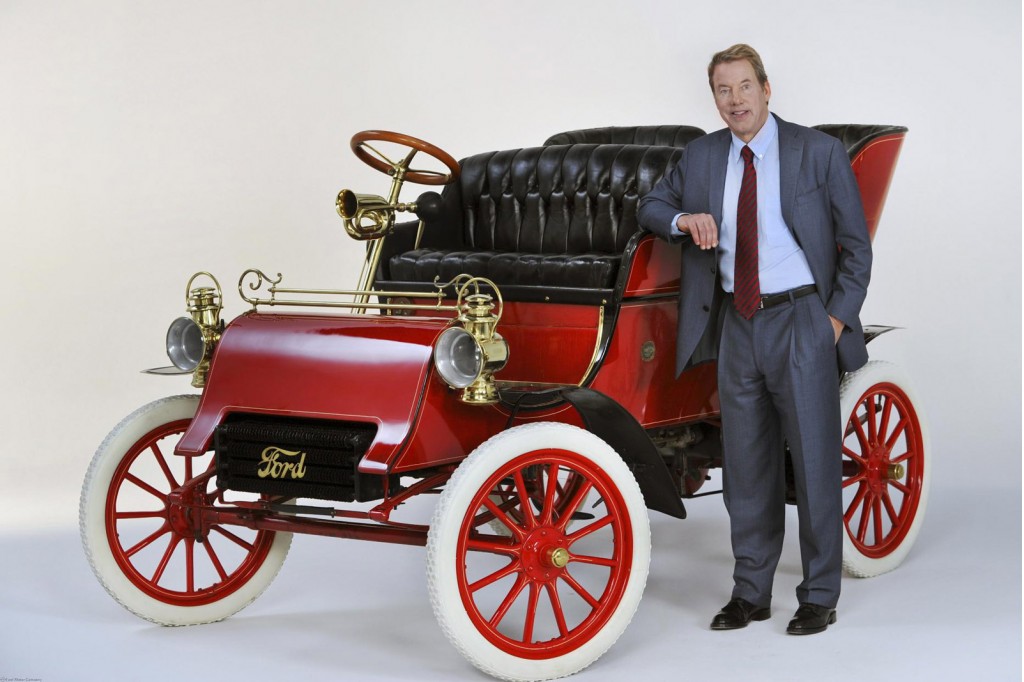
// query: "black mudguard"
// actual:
[[873, 331], [610, 422]]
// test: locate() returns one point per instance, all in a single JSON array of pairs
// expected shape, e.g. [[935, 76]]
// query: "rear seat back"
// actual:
[[538, 219], [661, 136]]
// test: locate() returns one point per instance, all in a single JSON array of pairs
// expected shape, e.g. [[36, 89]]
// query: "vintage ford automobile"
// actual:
[[511, 350]]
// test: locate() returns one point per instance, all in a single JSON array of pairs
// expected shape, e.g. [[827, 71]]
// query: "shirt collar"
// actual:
[[758, 145]]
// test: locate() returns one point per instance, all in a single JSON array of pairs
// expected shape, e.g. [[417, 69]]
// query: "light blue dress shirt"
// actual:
[[781, 263]]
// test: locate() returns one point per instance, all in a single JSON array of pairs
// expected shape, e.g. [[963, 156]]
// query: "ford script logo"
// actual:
[[278, 463]]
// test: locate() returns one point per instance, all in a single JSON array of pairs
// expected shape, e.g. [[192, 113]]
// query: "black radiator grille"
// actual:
[[295, 458]]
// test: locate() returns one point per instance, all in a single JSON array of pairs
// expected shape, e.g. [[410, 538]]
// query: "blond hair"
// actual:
[[735, 53]]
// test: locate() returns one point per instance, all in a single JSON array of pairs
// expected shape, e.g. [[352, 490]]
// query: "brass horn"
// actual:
[[367, 216]]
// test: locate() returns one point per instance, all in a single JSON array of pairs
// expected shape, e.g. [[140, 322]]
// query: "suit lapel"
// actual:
[[791, 148], [719, 164]]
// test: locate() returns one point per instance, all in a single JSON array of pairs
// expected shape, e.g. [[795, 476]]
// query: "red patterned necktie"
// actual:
[[747, 287]]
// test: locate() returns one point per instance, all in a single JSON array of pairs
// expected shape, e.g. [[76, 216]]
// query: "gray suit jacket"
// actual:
[[822, 208]]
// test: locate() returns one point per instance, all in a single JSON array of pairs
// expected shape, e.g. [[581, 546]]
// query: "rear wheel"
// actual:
[[550, 594], [141, 529], [887, 468]]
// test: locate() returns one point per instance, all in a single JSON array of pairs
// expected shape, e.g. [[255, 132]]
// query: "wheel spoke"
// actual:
[[507, 602], [550, 494], [556, 607], [896, 433], [215, 560], [171, 546], [162, 461], [580, 590], [595, 560], [865, 517], [147, 487], [858, 429], [872, 417], [380, 154], [509, 569], [858, 458], [234, 538], [524, 500], [900, 486], [894, 517], [565, 516], [531, 613], [854, 479], [588, 529], [904, 457], [851, 511], [146, 542], [501, 516], [883, 427], [878, 520], [508, 506]]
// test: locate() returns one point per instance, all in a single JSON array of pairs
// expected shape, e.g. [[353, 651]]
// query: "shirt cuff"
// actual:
[[672, 228]]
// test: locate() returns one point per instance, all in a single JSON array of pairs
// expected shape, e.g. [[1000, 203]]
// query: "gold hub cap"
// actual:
[[559, 557]]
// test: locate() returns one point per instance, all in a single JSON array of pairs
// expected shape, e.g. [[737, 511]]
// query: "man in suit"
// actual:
[[776, 260]]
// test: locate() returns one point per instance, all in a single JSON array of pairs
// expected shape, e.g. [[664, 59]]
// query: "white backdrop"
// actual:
[[143, 141]]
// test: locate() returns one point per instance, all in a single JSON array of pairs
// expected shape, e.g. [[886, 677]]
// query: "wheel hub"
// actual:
[[183, 512], [545, 554], [878, 468]]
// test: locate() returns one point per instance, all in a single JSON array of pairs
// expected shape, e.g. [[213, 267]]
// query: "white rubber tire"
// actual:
[[444, 538], [855, 385], [92, 524]]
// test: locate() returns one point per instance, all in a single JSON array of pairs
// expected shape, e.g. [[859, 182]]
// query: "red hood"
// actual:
[[364, 368]]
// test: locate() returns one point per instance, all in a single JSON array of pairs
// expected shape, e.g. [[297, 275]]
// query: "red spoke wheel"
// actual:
[[143, 532], [522, 583], [886, 469]]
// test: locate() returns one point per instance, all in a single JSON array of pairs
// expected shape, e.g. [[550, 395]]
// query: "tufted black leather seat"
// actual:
[[544, 223], [664, 136], [855, 136]]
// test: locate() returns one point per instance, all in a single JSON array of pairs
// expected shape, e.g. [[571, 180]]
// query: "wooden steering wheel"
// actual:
[[376, 160]]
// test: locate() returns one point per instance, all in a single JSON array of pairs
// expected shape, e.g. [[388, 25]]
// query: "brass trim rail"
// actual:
[[459, 288]]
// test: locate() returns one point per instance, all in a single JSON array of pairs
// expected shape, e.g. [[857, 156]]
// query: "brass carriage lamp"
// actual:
[[191, 340], [467, 356]]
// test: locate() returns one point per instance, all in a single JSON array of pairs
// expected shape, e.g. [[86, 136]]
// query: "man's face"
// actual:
[[741, 101]]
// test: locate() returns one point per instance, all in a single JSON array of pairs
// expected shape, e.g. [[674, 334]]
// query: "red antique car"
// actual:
[[512, 351]]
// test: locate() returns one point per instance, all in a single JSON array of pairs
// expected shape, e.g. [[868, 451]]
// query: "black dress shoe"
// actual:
[[811, 619], [738, 613]]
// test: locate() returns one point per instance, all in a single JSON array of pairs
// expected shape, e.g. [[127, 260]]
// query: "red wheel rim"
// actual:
[[553, 585], [160, 546], [883, 449]]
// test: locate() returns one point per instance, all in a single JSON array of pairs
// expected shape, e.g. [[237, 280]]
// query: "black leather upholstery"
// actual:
[[856, 136], [664, 136], [552, 222], [553, 217]]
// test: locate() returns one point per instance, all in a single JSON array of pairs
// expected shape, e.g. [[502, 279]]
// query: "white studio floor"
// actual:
[[348, 610]]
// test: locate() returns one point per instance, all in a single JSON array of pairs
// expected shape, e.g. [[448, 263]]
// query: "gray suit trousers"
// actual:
[[778, 383]]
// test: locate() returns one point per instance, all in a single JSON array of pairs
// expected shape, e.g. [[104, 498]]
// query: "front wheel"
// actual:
[[887, 468], [541, 598], [140, 522]]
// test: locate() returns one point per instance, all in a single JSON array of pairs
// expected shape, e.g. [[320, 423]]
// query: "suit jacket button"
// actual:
[[706, 309], [712, 271]]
